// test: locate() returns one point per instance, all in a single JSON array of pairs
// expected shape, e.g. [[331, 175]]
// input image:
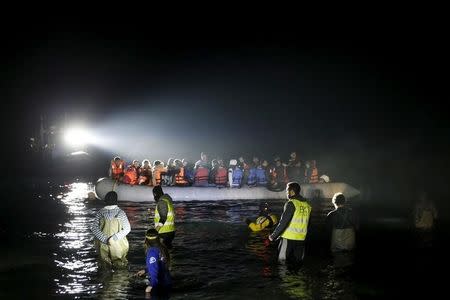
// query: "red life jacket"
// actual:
[[221, 176], [201, 176], [180, 179], [314, 178]]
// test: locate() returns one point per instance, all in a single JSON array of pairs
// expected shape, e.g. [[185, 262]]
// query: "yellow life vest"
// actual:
[[169, 225], [263, 222], [298, 227]]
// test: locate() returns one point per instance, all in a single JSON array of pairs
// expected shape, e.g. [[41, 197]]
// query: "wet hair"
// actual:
[[158, 191], [111, 198], [294, 186], [152, 239], [339, 199]]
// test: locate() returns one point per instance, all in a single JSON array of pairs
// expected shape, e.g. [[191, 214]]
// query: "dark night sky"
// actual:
[[375, 98]]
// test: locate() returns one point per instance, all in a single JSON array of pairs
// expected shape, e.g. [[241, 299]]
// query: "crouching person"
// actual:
[[110, 228]]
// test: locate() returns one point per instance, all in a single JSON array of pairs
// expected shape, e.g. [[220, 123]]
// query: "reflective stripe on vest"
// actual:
[[169, 225], [298, 227]]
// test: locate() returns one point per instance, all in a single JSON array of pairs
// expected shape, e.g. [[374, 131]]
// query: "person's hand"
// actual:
[[148, 289], [140, 273], [110, 241]]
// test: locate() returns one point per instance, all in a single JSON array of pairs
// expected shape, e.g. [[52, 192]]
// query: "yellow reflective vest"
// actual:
[[298, 227], [169, 225]]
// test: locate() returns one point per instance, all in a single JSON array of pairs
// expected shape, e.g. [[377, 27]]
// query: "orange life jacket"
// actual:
[[130, 175], [221, 176], [314, 178], [157, 174], [179, 178], [117, 169], [201, 176]]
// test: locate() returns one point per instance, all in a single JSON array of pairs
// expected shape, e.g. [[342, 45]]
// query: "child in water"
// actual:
[[157, 261]]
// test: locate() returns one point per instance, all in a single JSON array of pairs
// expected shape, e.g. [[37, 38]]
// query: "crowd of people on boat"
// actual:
[[239, 172]]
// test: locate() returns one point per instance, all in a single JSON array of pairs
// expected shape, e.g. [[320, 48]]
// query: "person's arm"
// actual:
[[126, 228], [152, 266], [286, 217], [162, 210], [95, 228], [258, 227]]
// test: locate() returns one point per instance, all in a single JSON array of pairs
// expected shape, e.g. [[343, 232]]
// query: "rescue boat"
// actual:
[[140, 193]]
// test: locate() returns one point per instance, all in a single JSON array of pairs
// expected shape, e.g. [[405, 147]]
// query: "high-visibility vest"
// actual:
[[298, 226], [179, 177], [169, 225], [117, 170]]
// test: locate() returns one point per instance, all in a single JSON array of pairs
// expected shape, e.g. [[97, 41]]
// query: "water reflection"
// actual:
[[215, 256]]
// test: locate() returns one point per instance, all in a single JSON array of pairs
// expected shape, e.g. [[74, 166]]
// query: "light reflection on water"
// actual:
[[214, 254]]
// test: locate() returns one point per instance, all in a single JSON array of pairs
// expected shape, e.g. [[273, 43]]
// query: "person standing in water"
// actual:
[[342, 224], [164, 216], [110, 228], [157, 262], [293, 227]]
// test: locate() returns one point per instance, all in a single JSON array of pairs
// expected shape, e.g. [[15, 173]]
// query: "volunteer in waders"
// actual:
[[110, 228], [293, 227]]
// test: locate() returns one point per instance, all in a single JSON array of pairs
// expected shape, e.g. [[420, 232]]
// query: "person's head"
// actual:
[[255, 160], [146, 163], [203, 156], [233, 163], [293, 155], [338, 200], [158, 163], [241, 159], [214, 163], [157, 192], [220, 162], [264, 208], [278, 163], [153, 239], [177, 163], [111, 198], [276, 158], [308, 164], [117, 160], [293, 190], [265, 163], [170, 162], [135, 163], [185, 162], [324, 179]]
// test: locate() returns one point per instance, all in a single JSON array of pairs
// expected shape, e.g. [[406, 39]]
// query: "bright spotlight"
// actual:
[[77, 137]]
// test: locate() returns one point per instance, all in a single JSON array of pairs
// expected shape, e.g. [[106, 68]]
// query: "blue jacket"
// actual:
[[251, 181], [261, 177], [237, 177], [158, 272]]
